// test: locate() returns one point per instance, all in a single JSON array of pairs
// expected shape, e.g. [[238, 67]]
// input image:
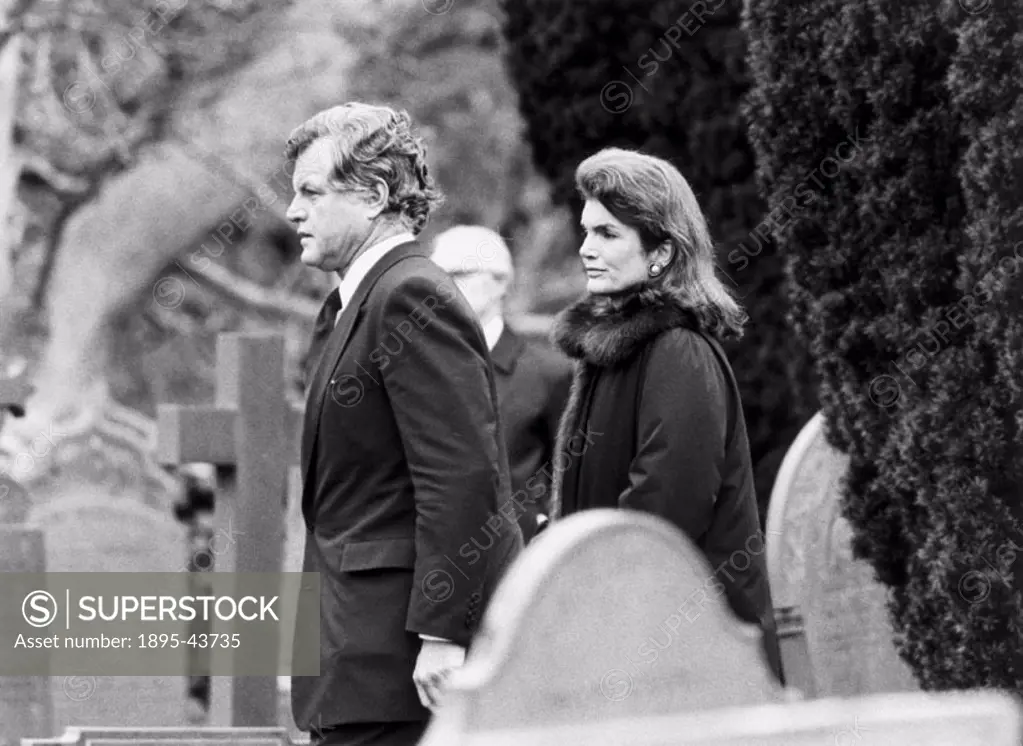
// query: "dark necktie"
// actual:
[[322, 328], [328, 313]]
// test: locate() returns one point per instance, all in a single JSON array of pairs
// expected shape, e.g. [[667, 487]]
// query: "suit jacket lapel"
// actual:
[[335, 346]]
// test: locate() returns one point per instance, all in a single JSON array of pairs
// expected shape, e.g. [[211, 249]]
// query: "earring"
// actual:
[[655, 269]]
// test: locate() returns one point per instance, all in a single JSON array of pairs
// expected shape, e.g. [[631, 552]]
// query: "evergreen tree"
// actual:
[[668, 78], [894, 249], [963, 605]]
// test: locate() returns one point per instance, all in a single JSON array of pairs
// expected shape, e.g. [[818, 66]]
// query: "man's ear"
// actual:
[[377, 196]]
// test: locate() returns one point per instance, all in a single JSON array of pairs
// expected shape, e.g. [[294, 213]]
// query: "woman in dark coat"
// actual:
[[653, 396]]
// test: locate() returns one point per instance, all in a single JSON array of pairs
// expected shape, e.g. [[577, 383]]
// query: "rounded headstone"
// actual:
[[90, 531], [608, 614], [815, 579]]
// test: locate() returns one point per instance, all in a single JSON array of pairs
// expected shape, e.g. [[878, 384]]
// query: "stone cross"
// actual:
[[251, 433]]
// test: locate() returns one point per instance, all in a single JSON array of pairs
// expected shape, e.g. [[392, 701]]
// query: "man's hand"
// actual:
[[436, 660]]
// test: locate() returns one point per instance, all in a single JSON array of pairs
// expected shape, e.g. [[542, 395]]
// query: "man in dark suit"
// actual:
[[403, 458], [532, 379]]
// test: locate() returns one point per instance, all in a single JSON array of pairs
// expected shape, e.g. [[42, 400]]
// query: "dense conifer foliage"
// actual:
[[904, 248]]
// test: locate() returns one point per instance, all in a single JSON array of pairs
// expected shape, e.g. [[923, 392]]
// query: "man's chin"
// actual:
[[310, 258]]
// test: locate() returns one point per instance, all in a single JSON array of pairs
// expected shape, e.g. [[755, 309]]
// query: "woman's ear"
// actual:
[[664, 253]]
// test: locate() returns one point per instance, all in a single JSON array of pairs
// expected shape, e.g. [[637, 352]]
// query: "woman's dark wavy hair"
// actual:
[[651, 195], [373, 143]]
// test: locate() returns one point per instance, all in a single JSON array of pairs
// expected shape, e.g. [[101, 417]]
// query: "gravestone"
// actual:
[[898, 719], [87, 530], [166, 737], [556, 661], [607, 615], [833, 627], [26, 707], [251, 434]]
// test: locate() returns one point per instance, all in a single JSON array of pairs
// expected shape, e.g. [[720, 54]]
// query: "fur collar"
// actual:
[[601, 331], [606, 330]]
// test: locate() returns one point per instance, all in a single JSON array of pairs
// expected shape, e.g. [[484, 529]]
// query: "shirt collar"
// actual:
[[493, 330], [364, 263]]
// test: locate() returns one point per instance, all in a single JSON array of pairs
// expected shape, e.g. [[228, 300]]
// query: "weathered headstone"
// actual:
[[87, 527], [834, 632], [26, 706], [166, 737], [556, 662], [898, 719], [90, 531], [609, 615], [251, 434]]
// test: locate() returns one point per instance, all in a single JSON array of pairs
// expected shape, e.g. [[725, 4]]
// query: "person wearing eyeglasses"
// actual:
[[533, 378]]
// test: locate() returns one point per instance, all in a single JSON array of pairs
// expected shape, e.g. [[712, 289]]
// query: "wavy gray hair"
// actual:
[[374, 143]]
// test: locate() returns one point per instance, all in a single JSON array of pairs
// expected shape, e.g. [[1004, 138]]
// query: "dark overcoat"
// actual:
[[532, 387], [655, 423], [406, 490]]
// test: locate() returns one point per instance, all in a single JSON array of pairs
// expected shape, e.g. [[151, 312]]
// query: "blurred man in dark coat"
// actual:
[[533, 379], [404, 466]]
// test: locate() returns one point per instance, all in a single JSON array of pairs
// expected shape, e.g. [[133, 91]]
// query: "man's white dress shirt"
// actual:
[[364, 263], [492, 332]]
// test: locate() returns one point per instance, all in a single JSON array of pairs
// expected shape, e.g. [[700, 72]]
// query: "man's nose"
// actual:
[[294, 213]]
